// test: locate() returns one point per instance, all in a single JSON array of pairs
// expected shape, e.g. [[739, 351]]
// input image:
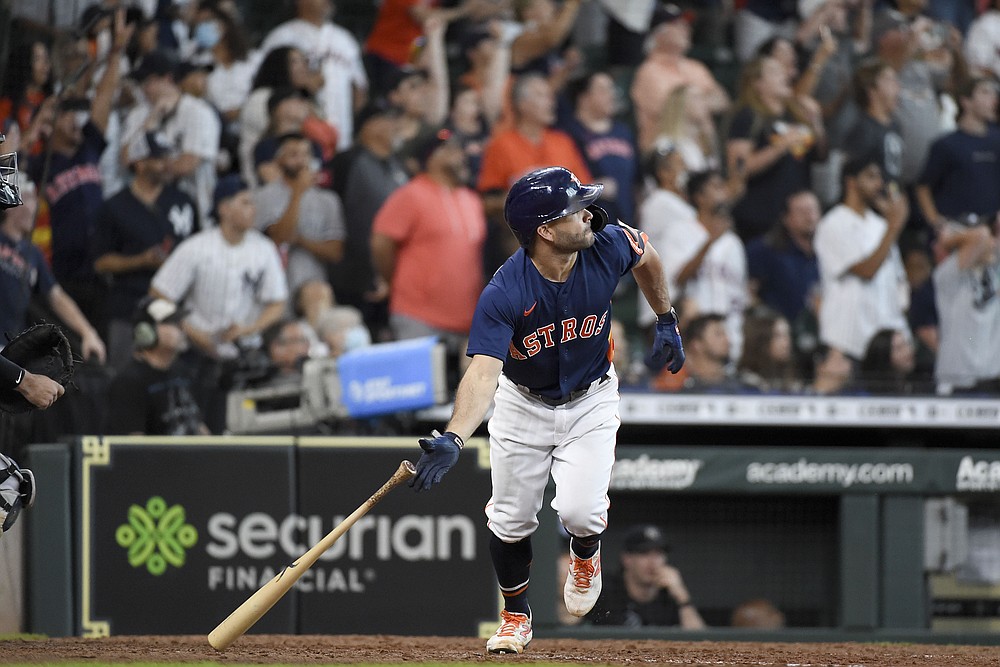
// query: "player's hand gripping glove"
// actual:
[[43, 350], [667, 347], [440, 454], [17, 492]]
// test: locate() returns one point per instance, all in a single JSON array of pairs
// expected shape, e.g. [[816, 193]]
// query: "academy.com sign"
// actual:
[[644, 472], [844, 475]]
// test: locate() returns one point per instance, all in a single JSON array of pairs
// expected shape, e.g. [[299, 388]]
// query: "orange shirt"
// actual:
[[395, 33], [509, 155], [439, 234]]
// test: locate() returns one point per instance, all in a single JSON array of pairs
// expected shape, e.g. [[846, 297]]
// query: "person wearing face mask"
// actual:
[[305, 221], [221, 41]]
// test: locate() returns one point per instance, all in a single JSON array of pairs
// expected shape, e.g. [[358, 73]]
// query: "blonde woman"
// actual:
[[686, 123]]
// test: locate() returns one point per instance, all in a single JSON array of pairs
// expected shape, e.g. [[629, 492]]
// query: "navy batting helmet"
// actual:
[[544, 195]]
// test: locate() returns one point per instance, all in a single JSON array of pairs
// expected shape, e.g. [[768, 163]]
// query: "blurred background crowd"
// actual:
[[304, 178]]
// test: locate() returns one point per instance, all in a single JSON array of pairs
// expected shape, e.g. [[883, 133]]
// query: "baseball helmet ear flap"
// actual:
[[600, 219]]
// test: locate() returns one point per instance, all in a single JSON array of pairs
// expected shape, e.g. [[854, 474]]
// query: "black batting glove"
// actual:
[[668, 350], [440, 454]]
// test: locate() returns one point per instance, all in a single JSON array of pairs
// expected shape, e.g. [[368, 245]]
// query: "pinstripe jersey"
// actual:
[[223, 284], [555, 338]]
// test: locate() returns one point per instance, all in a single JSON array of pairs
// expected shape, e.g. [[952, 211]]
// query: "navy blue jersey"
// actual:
[[555, 338]]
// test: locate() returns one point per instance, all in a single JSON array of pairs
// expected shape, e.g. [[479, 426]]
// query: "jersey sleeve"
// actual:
[[492, 324], [630, 243], [176, 275], [396, 217]]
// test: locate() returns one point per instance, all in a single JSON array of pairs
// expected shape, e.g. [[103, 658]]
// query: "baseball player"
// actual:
[[541, 350]]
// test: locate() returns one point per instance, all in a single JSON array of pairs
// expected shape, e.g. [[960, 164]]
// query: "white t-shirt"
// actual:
[[853, 310], [968, 304], [336, 53], [227, 88], [223, 284], [982, 44], [193, 127], [720, 285]]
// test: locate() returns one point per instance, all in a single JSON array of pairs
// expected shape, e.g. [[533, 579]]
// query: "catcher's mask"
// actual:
[[10, 195]]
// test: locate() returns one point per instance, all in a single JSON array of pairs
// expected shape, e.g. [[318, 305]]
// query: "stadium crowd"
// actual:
[[821, 177]]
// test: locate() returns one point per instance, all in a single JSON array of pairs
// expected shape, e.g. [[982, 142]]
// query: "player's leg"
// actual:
[[519, 458], [581, 469], [17, 491]]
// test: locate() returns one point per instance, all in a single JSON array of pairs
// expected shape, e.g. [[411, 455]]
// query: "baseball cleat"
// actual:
[[583, 585], [513, 635]]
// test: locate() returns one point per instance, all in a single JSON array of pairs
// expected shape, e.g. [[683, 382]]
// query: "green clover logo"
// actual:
[[156, 536]]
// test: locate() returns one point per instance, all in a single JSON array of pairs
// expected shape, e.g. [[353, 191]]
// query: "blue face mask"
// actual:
[[206, 34]]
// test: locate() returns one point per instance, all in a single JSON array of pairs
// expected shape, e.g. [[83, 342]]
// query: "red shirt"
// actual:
[[439, 234], [395, 33]]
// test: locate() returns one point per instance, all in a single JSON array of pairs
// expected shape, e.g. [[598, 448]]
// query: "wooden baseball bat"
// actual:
[[258, 604]]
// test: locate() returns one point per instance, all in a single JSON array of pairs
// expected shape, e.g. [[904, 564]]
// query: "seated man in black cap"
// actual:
[[647, 590]]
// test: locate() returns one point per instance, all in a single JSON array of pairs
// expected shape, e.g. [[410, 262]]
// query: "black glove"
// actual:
[[667, 347], [43, 350], [440, 454]]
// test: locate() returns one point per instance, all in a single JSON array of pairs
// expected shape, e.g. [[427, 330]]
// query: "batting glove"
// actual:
[[440, 454], [667, 347]]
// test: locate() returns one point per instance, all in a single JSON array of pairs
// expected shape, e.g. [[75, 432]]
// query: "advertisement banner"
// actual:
[[805, 470], [390, 377], [149, 563], [175, 533]]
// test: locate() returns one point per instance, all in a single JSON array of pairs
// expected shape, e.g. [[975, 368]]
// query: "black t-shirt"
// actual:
[[153, 402], [760, 208], [614, 607], [126, 226], [870, 138]]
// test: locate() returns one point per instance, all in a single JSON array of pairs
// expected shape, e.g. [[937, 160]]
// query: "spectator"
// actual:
[[687, 122], [222, 42], [332, 51], [667, 67], [544, 27], [307, 223], [784, 273], [832, 372], [69, 179], [192, 78], [136, 230], [189, 124], [24, 274], [605, 143], [487, 71], [922, 316], [287, 345], [888, 364], [512, 152], [707, 367], [373, 174], [342, 329], [963, 167], [647, 591], [282, 67], [922, 70], [432, 216], [664, 215], [469, 125], [982, 43], [876, 88], [29, 82], [150, 394], [967, 288], [862, 278], [760, 20], [772, 143], [706, 260], [292, 111], [759, 614], [767, 362], [231, 281]]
